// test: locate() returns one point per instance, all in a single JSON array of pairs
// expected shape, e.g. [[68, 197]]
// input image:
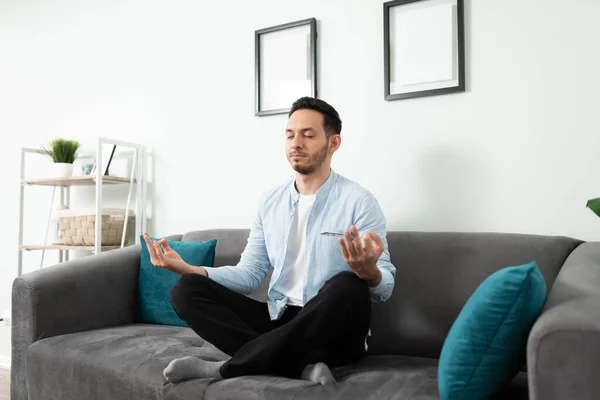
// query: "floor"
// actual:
[[4, 361], [4, 384]]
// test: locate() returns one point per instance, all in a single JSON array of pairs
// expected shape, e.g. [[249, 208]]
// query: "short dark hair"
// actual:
[[331, 119]]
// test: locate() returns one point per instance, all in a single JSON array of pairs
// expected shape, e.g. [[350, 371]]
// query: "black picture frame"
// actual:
[[312, 23], [107, 163], [460, 32], [112, 153]]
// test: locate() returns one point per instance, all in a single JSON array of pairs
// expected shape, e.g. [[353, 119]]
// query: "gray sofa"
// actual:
[[75, 334]]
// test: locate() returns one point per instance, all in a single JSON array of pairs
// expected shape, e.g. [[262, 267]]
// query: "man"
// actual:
[[319, 298]]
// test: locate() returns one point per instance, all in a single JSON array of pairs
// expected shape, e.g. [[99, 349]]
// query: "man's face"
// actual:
[[306, 141]]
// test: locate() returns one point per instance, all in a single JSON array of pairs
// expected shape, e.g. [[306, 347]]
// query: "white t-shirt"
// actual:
[[291, 281]]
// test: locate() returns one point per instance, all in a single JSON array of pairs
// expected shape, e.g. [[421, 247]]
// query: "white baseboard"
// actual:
[[5, 362]]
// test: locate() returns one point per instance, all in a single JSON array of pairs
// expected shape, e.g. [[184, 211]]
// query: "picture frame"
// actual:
[[424, 48], [106, 161], [285, 65]]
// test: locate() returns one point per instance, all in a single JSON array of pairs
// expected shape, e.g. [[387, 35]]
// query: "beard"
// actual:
[[314, 162]]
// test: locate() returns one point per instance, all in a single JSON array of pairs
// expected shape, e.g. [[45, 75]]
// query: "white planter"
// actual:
[[61, 170]]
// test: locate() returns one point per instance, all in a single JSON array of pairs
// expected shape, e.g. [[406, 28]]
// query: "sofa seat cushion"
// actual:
[[127, 363], [380, 377], [115, 363]]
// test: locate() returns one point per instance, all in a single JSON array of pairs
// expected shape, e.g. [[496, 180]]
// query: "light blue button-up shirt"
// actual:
[[339, 204]]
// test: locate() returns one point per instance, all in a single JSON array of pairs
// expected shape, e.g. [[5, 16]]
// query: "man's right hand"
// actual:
[[163, 256]]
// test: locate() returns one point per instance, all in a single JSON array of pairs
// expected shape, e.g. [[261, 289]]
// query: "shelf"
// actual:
[[87, 180], [67, 247]]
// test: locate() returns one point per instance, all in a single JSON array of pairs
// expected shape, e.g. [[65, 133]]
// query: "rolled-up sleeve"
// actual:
[[370, 218]]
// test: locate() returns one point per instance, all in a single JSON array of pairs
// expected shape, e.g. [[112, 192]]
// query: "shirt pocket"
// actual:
[[328, 246], [329, 257], [332, 233]]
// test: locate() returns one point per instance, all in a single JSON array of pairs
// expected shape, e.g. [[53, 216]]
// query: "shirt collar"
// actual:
[[323, 191]]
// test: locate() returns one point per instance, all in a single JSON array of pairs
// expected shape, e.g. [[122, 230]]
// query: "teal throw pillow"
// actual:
[[486, 345], [155, 284]]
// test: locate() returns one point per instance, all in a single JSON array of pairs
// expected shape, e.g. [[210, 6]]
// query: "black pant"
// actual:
[[330, 328]]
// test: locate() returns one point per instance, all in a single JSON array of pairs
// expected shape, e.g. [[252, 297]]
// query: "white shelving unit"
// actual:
[[137, 178]]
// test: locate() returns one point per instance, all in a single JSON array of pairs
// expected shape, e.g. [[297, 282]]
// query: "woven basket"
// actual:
[[79, 228]]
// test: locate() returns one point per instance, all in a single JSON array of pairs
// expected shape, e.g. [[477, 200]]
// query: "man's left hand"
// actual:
[[362, 256]]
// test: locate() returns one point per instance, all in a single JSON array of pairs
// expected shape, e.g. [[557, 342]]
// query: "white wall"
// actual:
[[518, 152]]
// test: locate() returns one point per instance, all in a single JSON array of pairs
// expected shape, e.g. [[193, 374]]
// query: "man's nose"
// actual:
[[296, 143]]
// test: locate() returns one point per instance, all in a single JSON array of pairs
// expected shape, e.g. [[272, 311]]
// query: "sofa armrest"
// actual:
[[563, 351], [83, 294]]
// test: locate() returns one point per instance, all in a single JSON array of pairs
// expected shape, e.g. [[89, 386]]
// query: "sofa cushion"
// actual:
[[373, 378], [155, 284], [487, 343], [126, 363], [114, 363]]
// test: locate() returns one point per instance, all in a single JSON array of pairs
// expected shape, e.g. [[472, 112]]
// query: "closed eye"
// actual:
[[306, 132]]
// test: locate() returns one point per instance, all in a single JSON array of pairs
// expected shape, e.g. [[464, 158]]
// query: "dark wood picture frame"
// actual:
[[460, 87], [312, 23]]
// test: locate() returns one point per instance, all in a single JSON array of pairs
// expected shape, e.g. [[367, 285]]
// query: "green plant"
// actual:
[[61, 150], [594, 205]]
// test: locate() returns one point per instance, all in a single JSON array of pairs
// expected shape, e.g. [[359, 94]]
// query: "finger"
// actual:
[[356, 241], [150, 248], [147, 240], [158, 249], [157, 254], [165, 244], [378, 242], [349, 244], [154, 258], [368, 243], [344, 249]]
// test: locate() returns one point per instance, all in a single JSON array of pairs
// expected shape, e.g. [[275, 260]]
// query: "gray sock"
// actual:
[[182, 369], [318, 373]]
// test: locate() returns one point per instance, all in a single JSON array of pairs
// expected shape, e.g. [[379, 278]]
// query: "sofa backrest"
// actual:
[[436, 273], [230, 243]]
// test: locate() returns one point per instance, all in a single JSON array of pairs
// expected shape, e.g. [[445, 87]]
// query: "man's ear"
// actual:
[[334, 143]]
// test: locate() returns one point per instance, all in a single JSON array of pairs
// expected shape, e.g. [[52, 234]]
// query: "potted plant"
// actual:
[[63, 153], [594, 205]]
